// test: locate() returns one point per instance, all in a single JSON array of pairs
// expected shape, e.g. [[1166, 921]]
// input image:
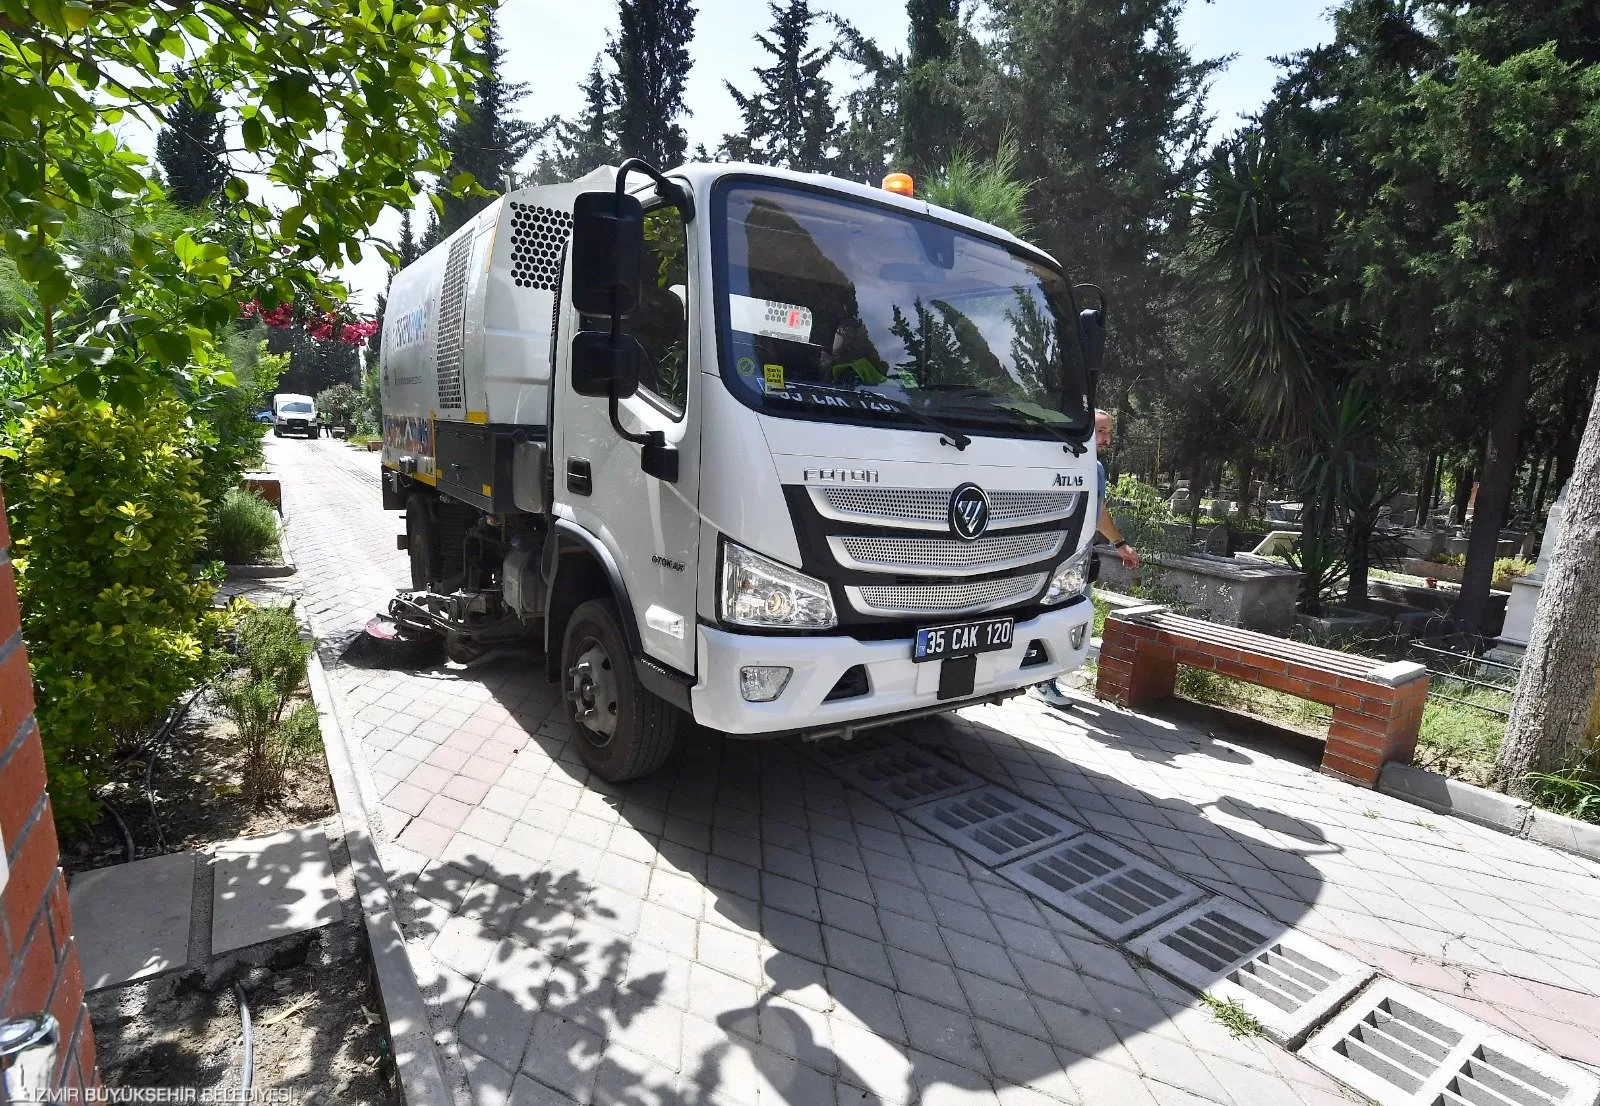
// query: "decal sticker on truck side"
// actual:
[[411, 434]]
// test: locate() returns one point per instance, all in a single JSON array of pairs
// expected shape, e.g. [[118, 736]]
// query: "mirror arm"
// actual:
[[627, 435], [674, 193]]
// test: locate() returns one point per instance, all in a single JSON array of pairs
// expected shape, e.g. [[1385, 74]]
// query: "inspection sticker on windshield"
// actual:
[[773, 375], [769, 318]]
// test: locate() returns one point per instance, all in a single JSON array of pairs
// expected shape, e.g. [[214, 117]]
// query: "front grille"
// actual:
[[941, 556], [929, 508], [938, 599]]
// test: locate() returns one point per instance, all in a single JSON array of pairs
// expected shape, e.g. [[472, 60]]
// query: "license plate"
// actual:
[[962, 639]]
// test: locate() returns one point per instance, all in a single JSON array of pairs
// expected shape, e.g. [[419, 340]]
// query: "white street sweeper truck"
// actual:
[[771, 451]]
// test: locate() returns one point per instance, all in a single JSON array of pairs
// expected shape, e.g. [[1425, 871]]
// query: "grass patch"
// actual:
[[1101, 609], [247, 529], [1458, 738], [1225, 691], [363, 439], [1234, 1018]]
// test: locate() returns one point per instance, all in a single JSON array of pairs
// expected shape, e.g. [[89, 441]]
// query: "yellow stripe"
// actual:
[[488, 491], [479, 417], [425, 478]]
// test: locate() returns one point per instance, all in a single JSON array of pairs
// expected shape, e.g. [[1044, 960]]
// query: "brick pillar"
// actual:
[[41, 970], [1135, 666]]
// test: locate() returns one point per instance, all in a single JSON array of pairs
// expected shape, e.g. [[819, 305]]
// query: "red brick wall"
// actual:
[[40, 970]]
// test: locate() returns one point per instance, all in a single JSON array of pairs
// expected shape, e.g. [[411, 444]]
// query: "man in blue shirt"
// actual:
[[1106, 526]]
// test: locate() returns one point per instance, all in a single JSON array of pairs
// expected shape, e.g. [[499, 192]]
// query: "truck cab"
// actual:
[[771, 451]]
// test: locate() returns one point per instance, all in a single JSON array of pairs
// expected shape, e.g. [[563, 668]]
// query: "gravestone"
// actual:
[[1524, 599]]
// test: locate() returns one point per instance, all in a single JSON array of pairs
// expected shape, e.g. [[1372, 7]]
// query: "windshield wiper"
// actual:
[[1072, 446], [948, 435]]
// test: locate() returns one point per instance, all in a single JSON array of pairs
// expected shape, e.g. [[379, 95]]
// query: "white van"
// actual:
[[294, 414]]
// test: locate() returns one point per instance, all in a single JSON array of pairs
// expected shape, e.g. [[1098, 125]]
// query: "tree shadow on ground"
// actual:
[[743, 923]]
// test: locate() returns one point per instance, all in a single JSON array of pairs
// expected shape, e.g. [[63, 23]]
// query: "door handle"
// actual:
[[580, 478]]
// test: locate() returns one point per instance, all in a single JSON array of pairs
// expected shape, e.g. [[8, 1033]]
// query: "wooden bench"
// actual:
[[1377, 705]]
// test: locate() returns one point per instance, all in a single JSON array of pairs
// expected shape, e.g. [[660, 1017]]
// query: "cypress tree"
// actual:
[[582, 143], [930, 117], [651, 56], [872, 115], [190, 149], [789, 121], [489, 142], [407, 246]]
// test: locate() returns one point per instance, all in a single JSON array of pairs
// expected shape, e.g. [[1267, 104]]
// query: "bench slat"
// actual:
[[1264, 645]]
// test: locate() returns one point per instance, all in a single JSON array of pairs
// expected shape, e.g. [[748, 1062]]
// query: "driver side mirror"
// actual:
[[1092, 329], [607, 253]]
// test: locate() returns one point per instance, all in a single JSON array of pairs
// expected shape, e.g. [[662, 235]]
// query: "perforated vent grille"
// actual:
[[930, 507], [947, 598], [452, 305], [904, 777], [538, 235], [933, 554]]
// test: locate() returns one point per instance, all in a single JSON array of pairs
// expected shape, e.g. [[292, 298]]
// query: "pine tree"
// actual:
[[407, 246], [578, 145], [651, 56], [489, 142], [374, 349], [190, 149], [867, 143], [789, 121], [930, 116]]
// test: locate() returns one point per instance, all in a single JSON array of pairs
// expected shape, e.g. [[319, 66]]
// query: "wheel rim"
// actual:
[[592, 691]]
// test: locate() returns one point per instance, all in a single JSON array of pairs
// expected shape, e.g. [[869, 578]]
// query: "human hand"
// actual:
[[1129, 555]]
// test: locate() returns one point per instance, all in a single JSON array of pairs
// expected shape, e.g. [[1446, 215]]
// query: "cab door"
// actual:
[[650, 527]]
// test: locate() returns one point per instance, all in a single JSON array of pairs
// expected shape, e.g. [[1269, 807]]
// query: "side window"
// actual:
[[661, 322]]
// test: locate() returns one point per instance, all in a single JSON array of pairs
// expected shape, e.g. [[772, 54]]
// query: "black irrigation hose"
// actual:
[[246, 1075], [127, 838]]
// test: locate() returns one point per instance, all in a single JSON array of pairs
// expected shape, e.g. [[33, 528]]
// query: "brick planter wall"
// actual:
[[41, 970]]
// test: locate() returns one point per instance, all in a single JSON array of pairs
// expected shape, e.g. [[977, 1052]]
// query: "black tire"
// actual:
[[644, 726], [422, 541]]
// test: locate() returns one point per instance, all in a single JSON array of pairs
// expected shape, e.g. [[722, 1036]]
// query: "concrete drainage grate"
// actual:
[[1401, 1048], [1105, 887], [1288, 981], [905, 776], [992, 824], [837, 750]]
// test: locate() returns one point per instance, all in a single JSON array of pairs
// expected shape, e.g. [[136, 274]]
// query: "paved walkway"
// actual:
[[751, 926]]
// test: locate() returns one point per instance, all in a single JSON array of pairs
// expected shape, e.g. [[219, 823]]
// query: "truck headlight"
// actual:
[[758, 591], [1070, 579]]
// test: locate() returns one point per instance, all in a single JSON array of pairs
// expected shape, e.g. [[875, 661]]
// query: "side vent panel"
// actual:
[[538, 235], [452, 324]]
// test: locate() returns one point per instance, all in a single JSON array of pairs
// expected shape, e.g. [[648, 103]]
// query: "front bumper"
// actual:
[[896, 684]]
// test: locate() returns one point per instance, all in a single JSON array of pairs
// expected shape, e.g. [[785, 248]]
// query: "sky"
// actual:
[[550, 44]]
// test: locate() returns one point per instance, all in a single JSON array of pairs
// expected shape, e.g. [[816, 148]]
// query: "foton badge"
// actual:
[[969, 512]]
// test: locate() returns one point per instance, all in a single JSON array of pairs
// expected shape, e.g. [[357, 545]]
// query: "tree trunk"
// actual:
[[1494, 490], [1463, 493], [1556, 692], [1247, 468], [1430, 477]]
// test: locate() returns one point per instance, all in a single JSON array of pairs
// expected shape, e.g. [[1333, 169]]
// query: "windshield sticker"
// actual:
[[773, 374], [798, 392], [746, 366], [769, 318]]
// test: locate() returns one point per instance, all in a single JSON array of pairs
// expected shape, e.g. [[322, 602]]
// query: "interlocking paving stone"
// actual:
[[1186, 800], [1102, 885]]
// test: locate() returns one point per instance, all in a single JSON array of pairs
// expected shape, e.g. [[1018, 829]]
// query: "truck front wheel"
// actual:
[[622, 730]]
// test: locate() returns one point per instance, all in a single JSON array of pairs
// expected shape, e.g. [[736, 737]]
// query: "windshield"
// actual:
[[841, 309], [296, 409]]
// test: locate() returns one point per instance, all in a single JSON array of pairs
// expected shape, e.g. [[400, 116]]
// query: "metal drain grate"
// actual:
[[1287, 980], [1106, 888], [905, 776], [837, 750], [1401, 1048], [993, 825]]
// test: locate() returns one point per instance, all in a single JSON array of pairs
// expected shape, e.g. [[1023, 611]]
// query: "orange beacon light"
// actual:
[[900, 184]]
